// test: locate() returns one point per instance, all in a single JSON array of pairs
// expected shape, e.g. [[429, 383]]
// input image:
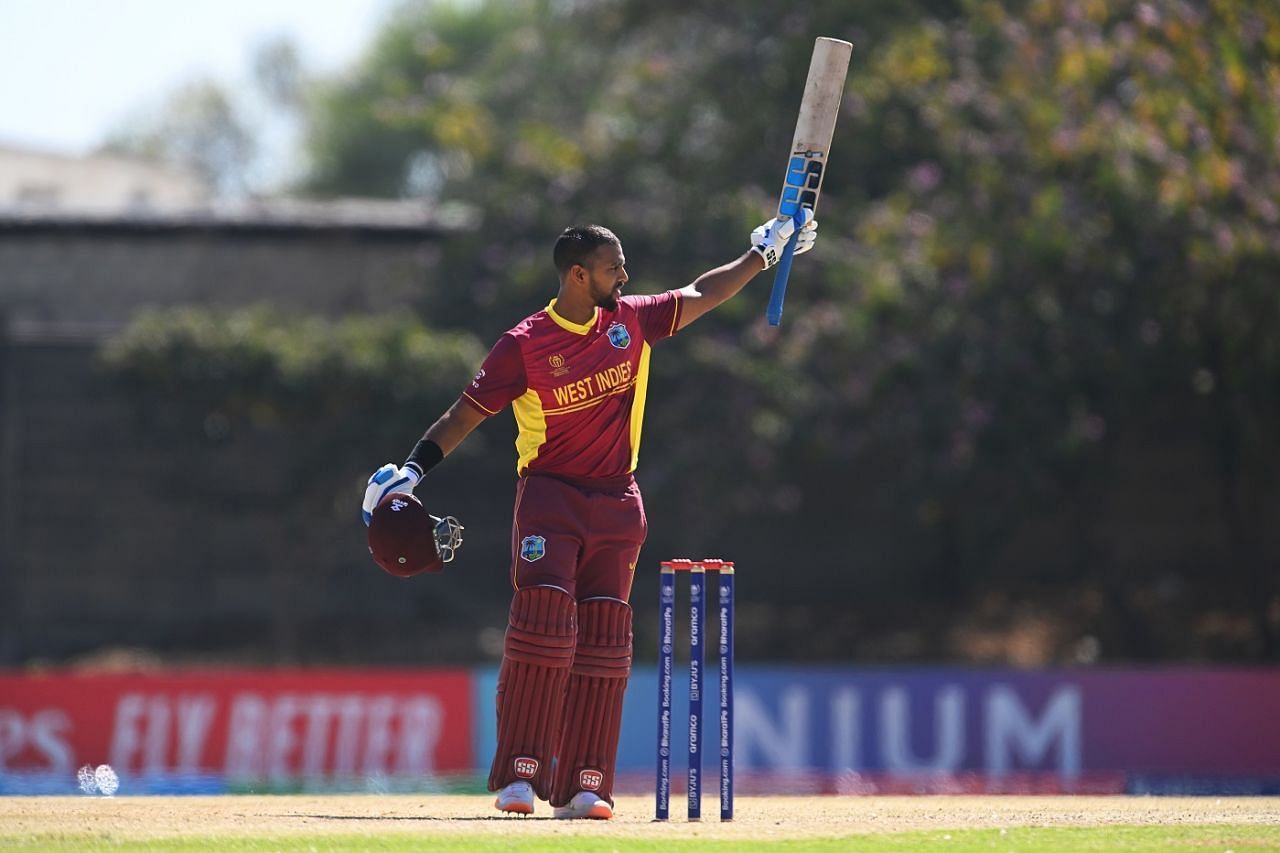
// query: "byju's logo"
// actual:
[[619, 336], [533, 548], [397, 504]]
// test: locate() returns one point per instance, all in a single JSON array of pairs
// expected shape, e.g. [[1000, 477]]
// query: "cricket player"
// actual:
[[575, 374]]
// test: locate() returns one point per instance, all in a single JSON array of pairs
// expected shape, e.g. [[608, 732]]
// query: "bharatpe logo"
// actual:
[[619, 336], [590, 780], [397, 504], [533, 548], [526, 767]]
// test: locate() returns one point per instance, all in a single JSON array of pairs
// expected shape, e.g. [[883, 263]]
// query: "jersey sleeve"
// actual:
[[659, 314], [501, 378]]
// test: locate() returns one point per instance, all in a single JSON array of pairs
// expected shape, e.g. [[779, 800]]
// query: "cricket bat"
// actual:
[[823, 91]]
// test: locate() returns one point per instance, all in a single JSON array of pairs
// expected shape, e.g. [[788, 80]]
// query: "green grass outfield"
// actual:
[[1217, 837]]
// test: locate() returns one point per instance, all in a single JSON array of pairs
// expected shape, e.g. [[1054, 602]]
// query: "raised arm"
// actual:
[[719, 285], [716, 286]]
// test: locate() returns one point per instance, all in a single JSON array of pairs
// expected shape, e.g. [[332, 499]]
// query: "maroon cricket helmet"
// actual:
[[406, 540]]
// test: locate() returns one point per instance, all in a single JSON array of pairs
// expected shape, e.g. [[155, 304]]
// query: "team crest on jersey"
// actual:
[[619, 336], [533, 548]]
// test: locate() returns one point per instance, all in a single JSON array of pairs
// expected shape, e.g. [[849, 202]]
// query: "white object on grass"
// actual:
[[108, 781]]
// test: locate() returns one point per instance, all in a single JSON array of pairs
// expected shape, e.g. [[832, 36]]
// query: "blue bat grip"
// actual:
[[774, 314]]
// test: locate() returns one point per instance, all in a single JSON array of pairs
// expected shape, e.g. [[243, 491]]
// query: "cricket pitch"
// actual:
[[70, 822]]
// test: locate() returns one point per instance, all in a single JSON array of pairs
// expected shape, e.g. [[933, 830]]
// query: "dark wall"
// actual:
[[101, 273]]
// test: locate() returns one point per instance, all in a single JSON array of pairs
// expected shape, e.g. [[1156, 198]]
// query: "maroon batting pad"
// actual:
[[531, 685], [593, 708], [402, 537]]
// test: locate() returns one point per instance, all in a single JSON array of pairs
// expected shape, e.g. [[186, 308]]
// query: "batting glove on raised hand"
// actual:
[[769, 239], [388, 479]]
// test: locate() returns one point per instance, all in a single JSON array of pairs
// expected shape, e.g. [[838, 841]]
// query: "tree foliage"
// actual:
[[314, 390], [198, 127], [269, 368], [1073, 262], [233, 136]]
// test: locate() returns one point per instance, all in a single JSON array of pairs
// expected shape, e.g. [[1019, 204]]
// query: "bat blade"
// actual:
[[806, 165]]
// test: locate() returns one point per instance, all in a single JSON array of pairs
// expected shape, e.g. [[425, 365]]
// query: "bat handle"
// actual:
[[774, 314]]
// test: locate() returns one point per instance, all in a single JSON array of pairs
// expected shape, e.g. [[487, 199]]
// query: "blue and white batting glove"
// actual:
[[769, 239], [386, 480]]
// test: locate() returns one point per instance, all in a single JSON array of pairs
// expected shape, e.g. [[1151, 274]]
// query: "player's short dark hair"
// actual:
[[576, 243]]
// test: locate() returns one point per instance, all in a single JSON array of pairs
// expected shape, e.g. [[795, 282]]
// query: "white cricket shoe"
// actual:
[[516, 798], [585, 805]]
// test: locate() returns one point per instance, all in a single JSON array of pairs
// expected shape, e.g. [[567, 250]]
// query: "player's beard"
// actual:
[[609, 301]]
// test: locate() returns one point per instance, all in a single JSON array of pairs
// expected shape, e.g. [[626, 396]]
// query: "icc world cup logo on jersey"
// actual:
[[619, 336]]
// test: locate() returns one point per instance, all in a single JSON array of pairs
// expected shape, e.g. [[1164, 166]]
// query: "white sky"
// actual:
[[71, 70]]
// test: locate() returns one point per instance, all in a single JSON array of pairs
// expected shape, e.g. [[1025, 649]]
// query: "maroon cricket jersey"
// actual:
[[577, 390]]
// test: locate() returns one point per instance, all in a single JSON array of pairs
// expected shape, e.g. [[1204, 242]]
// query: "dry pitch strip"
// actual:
[[413, 821]]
